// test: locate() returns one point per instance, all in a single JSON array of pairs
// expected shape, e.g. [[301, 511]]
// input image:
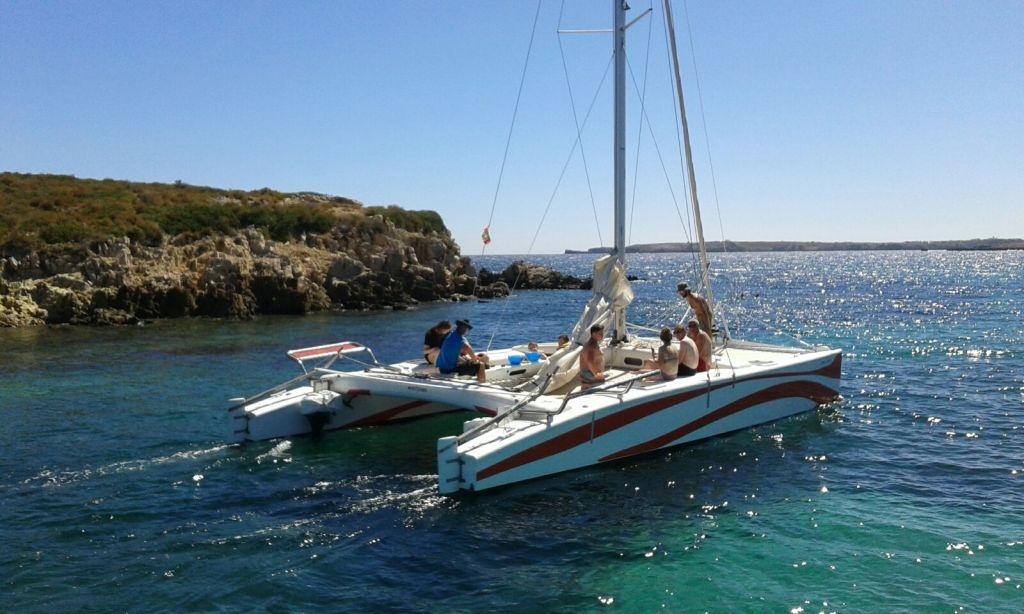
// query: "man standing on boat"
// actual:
[[700, 306], [592, 359], [451, 360]]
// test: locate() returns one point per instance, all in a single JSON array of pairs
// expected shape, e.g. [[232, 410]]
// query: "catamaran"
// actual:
[[537, 419]]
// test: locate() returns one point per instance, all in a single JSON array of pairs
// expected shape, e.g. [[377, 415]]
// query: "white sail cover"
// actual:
[[612, 294]]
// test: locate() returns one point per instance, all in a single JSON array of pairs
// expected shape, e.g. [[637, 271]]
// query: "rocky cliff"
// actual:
[[239, 274], [79, 251], [112, 252]]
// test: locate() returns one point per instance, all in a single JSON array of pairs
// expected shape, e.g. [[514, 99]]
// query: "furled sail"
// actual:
[[612, 294], [607, 306]]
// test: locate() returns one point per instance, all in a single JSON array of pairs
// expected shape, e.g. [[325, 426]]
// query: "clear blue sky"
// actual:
[[827, 120]]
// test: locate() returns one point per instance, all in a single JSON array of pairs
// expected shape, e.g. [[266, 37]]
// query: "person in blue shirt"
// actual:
[[456, 355]]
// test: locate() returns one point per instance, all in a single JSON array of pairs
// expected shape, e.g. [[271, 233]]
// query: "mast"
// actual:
[[619, 37], [620, 129], [689, 157]]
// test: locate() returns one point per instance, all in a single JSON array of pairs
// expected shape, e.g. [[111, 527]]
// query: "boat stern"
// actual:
[[449, 465]]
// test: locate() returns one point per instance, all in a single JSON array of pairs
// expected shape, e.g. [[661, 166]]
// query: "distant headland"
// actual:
[[815, 246]]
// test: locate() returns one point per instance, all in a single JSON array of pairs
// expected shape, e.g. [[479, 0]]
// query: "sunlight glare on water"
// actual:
[[906, 495]]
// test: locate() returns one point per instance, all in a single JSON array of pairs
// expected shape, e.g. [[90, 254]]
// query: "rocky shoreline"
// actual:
[[87, 251], [244, 274]]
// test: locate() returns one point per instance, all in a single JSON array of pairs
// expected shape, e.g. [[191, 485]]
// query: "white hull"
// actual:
[[532, 435], [287, 414], [655, 415], [542, 421], [346, 399]]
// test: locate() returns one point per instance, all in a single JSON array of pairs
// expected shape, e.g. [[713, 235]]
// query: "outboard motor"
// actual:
[[316, 407]]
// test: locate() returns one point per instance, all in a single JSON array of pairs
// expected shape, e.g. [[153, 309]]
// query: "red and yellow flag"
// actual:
[[486, 236]]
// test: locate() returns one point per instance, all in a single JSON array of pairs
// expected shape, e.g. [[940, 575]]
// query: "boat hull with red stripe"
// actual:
[[348, 399], [287, 415], [649, 416]]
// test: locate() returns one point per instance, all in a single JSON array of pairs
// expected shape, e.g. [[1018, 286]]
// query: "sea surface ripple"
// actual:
[[118, 493]]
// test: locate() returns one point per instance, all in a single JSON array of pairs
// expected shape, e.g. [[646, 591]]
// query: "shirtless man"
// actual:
[[668, 358], [703, 342], [700, 307], [592, 359], [689, 358]]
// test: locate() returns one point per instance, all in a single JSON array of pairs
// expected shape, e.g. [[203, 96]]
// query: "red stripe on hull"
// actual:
[[550, 447], [327, 351], [603, 426], [386, 415], [806, 390]]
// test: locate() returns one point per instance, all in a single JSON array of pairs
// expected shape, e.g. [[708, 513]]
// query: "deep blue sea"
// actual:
[[118, 493]]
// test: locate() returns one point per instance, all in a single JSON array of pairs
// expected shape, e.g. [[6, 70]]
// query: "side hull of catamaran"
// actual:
[[304, 411], [328, 400], [599, 428]]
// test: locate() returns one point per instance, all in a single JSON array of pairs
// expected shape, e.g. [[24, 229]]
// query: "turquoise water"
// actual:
[[117, 493]]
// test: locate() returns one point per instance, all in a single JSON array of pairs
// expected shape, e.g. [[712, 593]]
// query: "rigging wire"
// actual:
[[702, 279], [768, 326], [679, 145], [668, 181], [639, 134], [703, 121], [575, 119], [577, 143], [711, 165], [515, 113], [661, 159], [672, 307]]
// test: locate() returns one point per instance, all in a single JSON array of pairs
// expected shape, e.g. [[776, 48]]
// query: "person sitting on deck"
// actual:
[[433, 339], [533, 347], [689, 358], [456, 355], [703, 342], [701, 309], [668, 357], [592, 359], [563, 341]]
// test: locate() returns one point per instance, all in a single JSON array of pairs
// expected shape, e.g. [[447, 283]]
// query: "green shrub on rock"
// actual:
[[40, 210]]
